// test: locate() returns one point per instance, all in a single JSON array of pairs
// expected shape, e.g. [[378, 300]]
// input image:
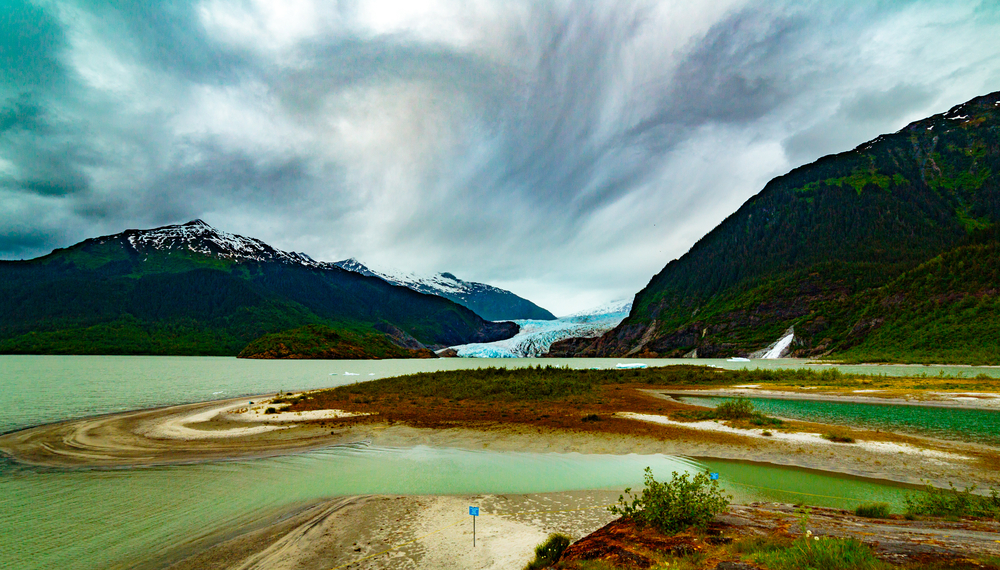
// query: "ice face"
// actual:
[[535, 337]]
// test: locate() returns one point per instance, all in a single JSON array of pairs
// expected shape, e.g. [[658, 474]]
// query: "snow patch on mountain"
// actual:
[[430, 284], [491, 303], [199, 237], [535, 337]]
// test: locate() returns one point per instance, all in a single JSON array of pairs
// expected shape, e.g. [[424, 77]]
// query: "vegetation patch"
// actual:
[[740, 412], [836, 437], [954, 503], [319, 341], [872, 510], [675, 505], [813, 552], [548, 552]]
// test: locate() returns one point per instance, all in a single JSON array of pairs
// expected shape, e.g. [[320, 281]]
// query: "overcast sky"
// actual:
[[563, 150]]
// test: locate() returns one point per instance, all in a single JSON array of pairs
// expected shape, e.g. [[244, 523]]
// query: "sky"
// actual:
[[565, 151]]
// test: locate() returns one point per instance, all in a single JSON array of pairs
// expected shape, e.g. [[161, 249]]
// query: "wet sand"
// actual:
[[225, 430], [405, 532]]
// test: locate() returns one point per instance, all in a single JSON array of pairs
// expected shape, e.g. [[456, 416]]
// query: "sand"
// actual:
[[976, 400], [407, 532]]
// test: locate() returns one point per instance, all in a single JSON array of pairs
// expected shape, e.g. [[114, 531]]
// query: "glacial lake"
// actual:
[[83, 519]]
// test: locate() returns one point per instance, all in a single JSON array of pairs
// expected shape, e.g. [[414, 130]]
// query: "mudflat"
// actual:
[[638, 421]]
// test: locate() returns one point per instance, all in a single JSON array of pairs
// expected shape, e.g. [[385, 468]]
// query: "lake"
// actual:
[[83, 519]]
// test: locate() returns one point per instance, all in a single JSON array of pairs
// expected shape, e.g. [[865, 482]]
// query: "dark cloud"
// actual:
[[31, 41], [20, 114], [737, 72]]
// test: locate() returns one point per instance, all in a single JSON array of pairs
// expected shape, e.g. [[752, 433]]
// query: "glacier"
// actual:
[[536, 336]]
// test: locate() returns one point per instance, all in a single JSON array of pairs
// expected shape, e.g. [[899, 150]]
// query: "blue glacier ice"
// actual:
[[536, 337]]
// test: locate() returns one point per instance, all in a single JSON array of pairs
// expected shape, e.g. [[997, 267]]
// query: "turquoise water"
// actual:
[[961, 424], [108, 518], [84, 519]]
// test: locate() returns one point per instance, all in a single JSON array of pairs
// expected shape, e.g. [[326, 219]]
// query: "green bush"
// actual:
[[548, 552], [675, 505], [954, 503], [270, 411], [872, 510], [735, 409]]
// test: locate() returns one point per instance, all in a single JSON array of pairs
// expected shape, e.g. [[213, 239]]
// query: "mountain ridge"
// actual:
[[192, 289], [491, 303], [814, 245]]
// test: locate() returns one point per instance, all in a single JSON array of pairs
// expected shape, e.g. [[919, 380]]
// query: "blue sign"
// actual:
[[714, 476], [474, 511]]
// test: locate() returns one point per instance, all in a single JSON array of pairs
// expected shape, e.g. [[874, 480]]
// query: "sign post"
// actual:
[[474, 511]]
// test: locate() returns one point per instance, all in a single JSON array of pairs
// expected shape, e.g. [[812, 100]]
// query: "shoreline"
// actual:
[[221, 430]]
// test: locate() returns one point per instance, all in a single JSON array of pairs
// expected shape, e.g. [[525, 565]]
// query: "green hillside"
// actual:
[[821, 247], [317, 341], [111, 296]]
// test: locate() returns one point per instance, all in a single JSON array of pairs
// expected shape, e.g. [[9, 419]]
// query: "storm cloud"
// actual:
[[564, 150]]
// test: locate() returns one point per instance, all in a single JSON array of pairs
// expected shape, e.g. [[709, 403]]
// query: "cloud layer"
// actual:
[[565, 150]]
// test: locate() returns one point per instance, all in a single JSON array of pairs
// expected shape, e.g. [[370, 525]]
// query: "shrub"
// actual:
[[954, 503], [735, 409], [270, 411], [675, 505], [548, 552], [873, 510], [591, 418], [838, 437]]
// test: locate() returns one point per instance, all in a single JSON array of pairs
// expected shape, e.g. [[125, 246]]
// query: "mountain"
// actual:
[[883, 253], [536, 337], [192, 289], [490, 303]]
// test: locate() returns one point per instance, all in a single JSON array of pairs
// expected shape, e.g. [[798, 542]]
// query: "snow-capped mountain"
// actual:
[[535, 337], [199, 237], [192, 289], [489, 302], [196, 236]]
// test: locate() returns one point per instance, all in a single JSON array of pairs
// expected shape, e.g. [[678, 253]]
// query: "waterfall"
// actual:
[[781, 346]]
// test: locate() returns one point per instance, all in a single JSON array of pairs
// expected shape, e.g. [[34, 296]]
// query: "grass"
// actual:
[[838, 437], [548, 552], [952, 503], [551, 383], [872, 510], [816, 553]]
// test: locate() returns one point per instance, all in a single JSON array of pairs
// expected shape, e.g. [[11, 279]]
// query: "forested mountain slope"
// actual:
[[191, 289], [839, 249]]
